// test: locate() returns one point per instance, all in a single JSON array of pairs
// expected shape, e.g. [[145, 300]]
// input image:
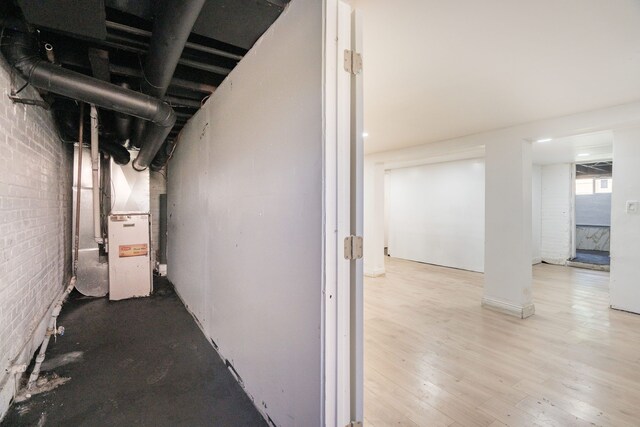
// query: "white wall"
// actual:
[[556, 214], [625, 226], [245, 218], [593, 209], [35, 227], [387, 196], [536, 195], [374, 206], [508, 224], [436, 214], [425, 221]]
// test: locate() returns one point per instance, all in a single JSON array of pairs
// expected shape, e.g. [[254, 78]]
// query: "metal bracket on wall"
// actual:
[[352, 62], [353, 247], [36, 102]]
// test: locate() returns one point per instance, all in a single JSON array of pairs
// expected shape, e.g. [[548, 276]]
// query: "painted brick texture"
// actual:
[[35, 217], [555, 213]]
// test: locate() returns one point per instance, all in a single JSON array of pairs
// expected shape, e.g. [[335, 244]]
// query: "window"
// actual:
[[603, 185], [584, 186]]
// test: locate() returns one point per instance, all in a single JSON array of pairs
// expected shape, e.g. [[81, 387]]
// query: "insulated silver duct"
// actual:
[[171, 29]]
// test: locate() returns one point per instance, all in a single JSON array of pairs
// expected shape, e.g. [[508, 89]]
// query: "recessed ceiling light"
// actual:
[[583, 154], [545, 140], [365, 134]]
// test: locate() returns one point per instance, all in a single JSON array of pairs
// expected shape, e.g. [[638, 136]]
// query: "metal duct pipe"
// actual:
[[49, 51], [189, 45], [118, 153], [140, 47], [22, 52], [95, 178], [181, 83], [171, 30], [123, 122], [76, 237]]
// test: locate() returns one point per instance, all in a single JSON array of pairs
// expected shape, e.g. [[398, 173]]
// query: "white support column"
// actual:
[[373, 219], [508, 273], [625, 221]]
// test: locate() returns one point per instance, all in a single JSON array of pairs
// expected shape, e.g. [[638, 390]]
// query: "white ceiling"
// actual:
[[579, 148], [440, 69]]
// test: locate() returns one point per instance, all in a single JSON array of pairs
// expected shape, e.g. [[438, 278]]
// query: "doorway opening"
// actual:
[[593, 190]]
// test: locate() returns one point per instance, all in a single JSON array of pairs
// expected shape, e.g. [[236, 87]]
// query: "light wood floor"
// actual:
[[434, 357]]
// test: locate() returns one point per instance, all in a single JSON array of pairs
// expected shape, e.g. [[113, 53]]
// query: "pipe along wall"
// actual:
[[171, 29], [52, 328], [21, 49]]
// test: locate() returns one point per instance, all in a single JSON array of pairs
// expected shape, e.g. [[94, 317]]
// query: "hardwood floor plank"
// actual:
[[549, 414], [509, 414], [434, 356]]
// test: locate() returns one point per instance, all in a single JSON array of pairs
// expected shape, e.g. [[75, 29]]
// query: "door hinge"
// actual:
[[353, 247], [352, 62]]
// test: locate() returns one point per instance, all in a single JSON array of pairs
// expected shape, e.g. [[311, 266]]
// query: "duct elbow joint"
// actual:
[[165, 117], [136, 166]]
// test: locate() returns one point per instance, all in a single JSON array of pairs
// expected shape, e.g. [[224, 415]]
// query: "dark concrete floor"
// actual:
[[139, 362], [591, 257]]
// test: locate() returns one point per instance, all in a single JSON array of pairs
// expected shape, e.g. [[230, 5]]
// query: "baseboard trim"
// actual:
[[375, 272], [520, 311], [555, 261], [625, 309], [588, 266]]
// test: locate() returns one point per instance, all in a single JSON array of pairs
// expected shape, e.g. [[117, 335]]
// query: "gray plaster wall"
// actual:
[[245, 218]]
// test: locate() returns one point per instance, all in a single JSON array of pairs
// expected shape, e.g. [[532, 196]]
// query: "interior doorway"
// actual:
[[593, 190]]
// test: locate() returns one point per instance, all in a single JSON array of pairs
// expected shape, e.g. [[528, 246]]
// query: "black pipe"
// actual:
[[176, 82], [118, 153], [137, 133], [123, 126], [141, 47], [123, 122], [189, 45], [66, 114], [183, 102], [171, 29], [22, 52], [164, 154]]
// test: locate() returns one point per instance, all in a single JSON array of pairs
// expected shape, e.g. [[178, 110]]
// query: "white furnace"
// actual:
[[129, 255]]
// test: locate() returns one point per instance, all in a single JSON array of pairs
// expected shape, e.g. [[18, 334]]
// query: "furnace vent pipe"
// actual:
[[21, 51], [95, 177], [171, 28], [49, 51]]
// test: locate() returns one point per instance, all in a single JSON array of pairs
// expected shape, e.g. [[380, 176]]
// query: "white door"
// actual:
[[357, 221], [343, 202]]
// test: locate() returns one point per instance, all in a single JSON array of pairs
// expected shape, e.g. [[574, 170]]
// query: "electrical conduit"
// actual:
[[95, 162]]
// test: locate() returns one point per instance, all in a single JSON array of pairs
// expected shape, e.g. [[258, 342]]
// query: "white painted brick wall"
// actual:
[[555, 213], [35, 220]]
